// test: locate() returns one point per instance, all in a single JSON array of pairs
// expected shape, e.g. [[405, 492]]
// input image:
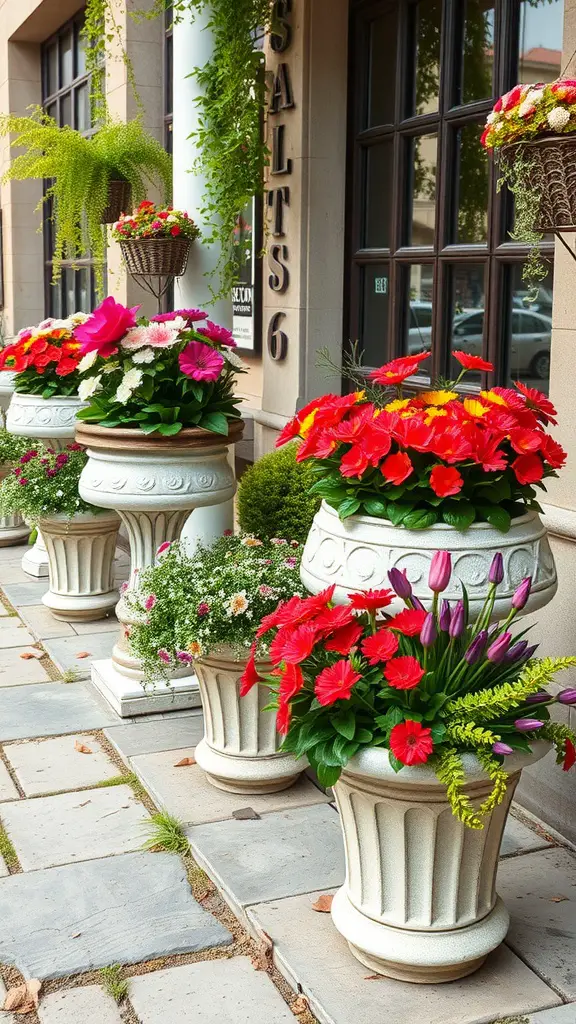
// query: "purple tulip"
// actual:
[[417, 603], [428, 632], [400, 583], [538, 698], [493, 629], [476, 648], [497, 651], [530, 652], [496, 574], [516, 652], [445, 616], [440, 571], [567, 696], [528, 724], [457, 623], [501, 748], [522, 593]]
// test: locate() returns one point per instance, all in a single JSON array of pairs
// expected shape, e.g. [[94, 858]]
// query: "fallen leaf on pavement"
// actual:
[[558, 899], [263, 960], [300, 1005], [26, 655], [323, 904], [23, 998], [246, 814], [184, 762], [84, 654], [373, 977], [82, 748]]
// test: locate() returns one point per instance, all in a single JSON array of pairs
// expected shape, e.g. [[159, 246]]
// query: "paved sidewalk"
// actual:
[[78, 893]]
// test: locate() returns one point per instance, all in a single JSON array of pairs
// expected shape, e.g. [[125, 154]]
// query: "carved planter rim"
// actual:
[[92, 435], [53, 400], [79, 519], [526, 517], [222, 654]]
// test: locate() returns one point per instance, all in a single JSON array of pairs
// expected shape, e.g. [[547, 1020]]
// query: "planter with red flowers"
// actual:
[[43, 364], [403, 476], [155, 240], [422, 721], [160, 419]]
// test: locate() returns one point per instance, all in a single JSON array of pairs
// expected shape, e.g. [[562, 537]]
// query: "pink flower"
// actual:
[[290, 562], [203, 608], [200, 362], [265, 591], [164, 548], [187, 314], [164, 656], [123, 588], [23, 480], [228, 533], [155, 335], [150, 602], [184, 657], [105, 327], [220, 335]]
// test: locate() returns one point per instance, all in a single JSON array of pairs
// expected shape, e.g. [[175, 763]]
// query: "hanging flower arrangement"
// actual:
[[151, 221], [45, 358]]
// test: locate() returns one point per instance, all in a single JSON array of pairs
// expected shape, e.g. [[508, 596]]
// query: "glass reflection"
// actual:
[[375, 304], [467, 315], [472, 186], [382, 69], [529, 332], [378, 205], [419, 321], [478, 51], [540, 41], [427, 35], [424, 153]]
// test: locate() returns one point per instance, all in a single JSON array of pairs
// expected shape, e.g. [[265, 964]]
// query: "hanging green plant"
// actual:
[[80, 171]]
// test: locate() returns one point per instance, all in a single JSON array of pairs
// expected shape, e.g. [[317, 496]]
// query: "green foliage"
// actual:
[[12, 447], [7, 850], [114, 982], [515, 173], [558, 734], [45, 484], [166, 833], [274, 499], [469, 735], [80, 170], [499, 778], [450, 772]]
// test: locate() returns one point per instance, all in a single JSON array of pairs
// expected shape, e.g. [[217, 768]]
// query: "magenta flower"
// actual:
[[164, 548], [107, 325], [228, 533], [290, 562], [265, 591], [164, 656], [428, 633], [201, 362], [440, 571], [123, 588], [150, 602], [502, 748], [219, 335], [23, 480], [528, 724], [28, 456], [188, 314], [184, 657], [521, 594], [203, 608]]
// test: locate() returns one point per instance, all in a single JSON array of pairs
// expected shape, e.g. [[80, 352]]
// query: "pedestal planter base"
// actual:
[[128, 697], [432, 957], [13, 530], [247, 776], [80, 556], [35, 560]]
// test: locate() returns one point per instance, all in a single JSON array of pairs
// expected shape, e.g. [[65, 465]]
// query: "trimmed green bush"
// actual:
[[273, 496]]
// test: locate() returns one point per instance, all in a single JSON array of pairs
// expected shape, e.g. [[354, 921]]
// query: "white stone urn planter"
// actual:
[[153, 482], [53, 421], [240, 748], [81, 560], [13, 529], [419, 902], [357, 553], [6, 392]]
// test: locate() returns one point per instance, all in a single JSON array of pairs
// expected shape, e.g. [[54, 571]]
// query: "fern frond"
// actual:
[[486, 705], [450, 772], [541, 672], [558, 733], [499, 778], [470, 735]]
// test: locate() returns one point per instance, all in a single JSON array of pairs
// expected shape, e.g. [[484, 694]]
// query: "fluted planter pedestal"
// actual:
[[81, 560], [13, 529], [419, 902], [52, 421], [153, 482], [240, 748]]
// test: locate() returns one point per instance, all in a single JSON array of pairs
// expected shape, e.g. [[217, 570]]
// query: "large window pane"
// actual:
[[471, 181], [428, 21], [529, 330], [477, 50], [82, 108], [66, 109], [466, 324], [51, 69], [540, 40], [383, 33], [378, 203], [423, 216], [375, 302], [66, 60], [418, 291]]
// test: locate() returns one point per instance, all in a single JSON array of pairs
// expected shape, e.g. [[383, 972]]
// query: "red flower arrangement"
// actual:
[[151, 221], [436, 457], [45, 358]]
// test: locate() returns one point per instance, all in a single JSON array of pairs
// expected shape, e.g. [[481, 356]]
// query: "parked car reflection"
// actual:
[[529, 343]]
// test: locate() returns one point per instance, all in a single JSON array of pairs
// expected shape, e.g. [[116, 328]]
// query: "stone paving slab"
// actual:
[[518, 838], [4, 612], [124, 909], [53, 830], [310, 952], [8, 790], [21, 594], [540, 893], [187, 794], [211, 992], [43, 624], [87, 1005], [557, 1015], [46, 766], [13, 633], [282, 854], [18, 671], [49, 709], [3, 872], [63, 651], [12, 572], [151, 737], [108, 625]]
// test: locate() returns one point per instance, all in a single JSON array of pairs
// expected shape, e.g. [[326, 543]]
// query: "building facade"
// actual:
[[383, 224]]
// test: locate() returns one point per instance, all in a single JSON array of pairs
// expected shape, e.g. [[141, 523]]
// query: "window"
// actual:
[[66, 97], [431, 262], [168, 77]]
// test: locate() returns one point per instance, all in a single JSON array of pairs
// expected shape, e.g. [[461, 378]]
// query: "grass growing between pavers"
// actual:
[[114, 982], [8, 852], [166, 833]]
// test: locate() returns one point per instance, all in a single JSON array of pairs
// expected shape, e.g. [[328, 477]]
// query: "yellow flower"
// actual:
[[251, 542], [432, 414], [359, 395], [306, 425], [195, 649], [491, 396], [438, 397], [397, 405], [474, 408]]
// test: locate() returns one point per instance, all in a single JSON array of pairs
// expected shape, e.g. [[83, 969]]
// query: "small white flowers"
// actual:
[[143, 355], [526, 107], [492, 117], [558, 118], [130, 382], [87, 361], [89, 387], [237, 604]]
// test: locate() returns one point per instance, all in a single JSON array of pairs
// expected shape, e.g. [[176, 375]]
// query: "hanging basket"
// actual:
[[156, 257], [119, 200], [552, 172]]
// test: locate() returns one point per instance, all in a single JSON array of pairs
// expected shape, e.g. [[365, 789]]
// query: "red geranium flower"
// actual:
[[343, 640], [250, 676], [411, 743], [414, 433], [445, 480], [403, 673], [175, 230], [553, 452], [569, 756], [335, 683], [371, 600], [332, 619], [354, 462], [291, 683], [299, 645], [452, 446], [379, 647], [283, 716], [278, 643], [398, 370], [526, 441], [352, 428], [397, 468], [66, 366], [470, 362], [536, 400], [528, 469], [408, 622]]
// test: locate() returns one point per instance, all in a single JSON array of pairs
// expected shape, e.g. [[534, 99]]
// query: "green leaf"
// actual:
[[216, 422], [328, 775], [348, 507], [149, 428], [497, 516], [397, 511], [419, 519], [438, 732], [344, 749], [363, 736], [459, 514], [394, 762], [169, 429], [345, 723], [375, 507]]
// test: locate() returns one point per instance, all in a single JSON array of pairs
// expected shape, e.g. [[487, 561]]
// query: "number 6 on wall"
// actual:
[[277, 340]]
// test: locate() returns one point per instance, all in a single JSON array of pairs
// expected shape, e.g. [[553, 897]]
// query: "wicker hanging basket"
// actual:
[[119, 200], [156, 257], [552, 172]]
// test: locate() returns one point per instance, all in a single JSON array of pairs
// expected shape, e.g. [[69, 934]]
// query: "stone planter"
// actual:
[[13, 529], [153, 482], [6, 392], [240, 748], [419, 902], [356, 555], [81, 556], [53, 421]]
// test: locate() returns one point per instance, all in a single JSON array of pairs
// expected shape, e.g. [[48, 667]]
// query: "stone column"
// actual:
[[192, 47]]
